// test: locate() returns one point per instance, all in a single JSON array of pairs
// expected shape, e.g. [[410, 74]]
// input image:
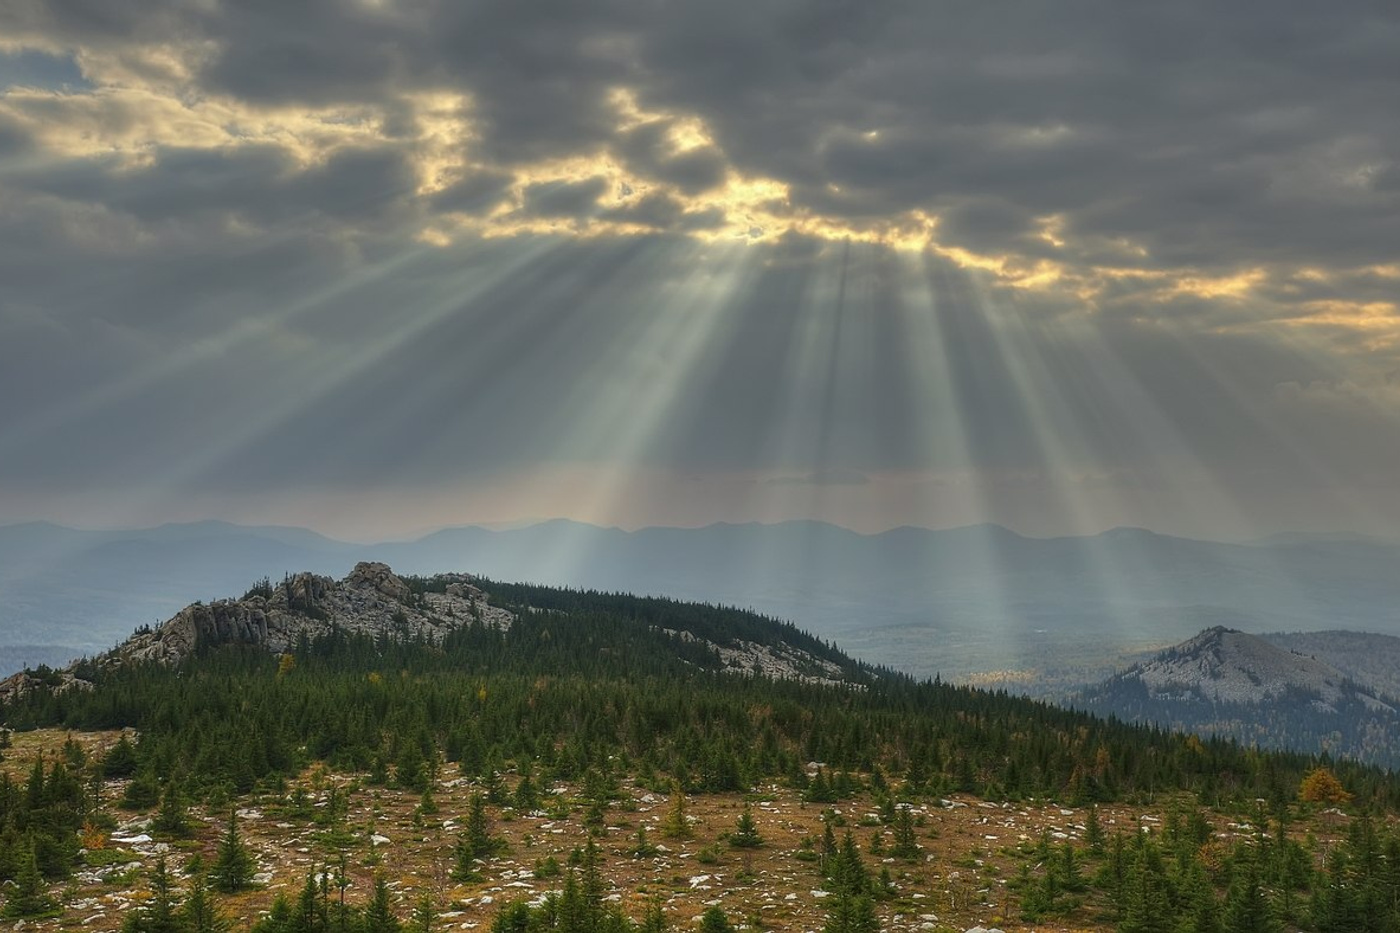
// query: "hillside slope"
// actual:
[[1365, 657]]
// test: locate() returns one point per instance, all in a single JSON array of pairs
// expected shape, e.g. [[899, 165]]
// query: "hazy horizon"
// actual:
[[525, 523]]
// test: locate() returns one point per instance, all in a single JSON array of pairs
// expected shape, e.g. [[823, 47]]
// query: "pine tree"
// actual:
[[714, 920], [677, 825], [850, 908], [233, 866], [643, 847], [27, 898], [479, 829], [906, 844], [654, 920], [200, 914], [172, 818], [1247, 908], [745, 835], [1093, 832], [379, 913], [464, 862], [424, 915]]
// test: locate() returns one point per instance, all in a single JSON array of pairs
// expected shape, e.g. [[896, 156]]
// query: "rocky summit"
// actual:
[[1226, 666], [371, 599]]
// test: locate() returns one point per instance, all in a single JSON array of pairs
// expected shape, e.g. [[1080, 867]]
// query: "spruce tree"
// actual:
[[172, 818], [745, 835], [233, 865], [1093, 832], [1247, 907], [906, 844], [200, 914], [677, 825], [379, 914], [27, 898], [424, 916], [464, 862], [479, 829], [714, 920], [850, 908]]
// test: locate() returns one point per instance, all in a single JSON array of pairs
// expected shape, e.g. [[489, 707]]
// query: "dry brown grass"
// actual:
[[970, 852]]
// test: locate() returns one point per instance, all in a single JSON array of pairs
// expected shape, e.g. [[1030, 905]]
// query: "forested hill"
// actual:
[[375, 603], [378, 672]]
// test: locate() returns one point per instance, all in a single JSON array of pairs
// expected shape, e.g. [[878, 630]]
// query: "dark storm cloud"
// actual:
[[1209, 135], [645, 150], [1160, 139], [563, 199], [257, 183], [475, 193]]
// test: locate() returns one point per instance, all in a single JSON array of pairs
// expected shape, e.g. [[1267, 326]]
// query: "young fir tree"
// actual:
[[311, 909], [233, 866], [654, 920], [850, 908], [906, 844], [26, 898], [200, 914], [527, 798], [172, 820], [643, 847], [677, 824], [379, 914], [1146, 906], [479, 829], [424, 915], [279, 919], [714, 920], [1247, 908], [1199, 908], [464, 862], [1093, 832], [745, 835], [159, 913]]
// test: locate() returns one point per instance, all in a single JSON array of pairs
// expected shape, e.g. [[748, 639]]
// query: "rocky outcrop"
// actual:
[[371, 600]]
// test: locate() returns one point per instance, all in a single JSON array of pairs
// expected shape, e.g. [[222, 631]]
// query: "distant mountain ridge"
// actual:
[[1229, 683], [949, 601]]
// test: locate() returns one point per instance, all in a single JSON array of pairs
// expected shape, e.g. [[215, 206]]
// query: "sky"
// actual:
[[380, 266]]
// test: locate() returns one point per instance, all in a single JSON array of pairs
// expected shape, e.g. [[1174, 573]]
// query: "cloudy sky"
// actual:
[[378, 266]]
